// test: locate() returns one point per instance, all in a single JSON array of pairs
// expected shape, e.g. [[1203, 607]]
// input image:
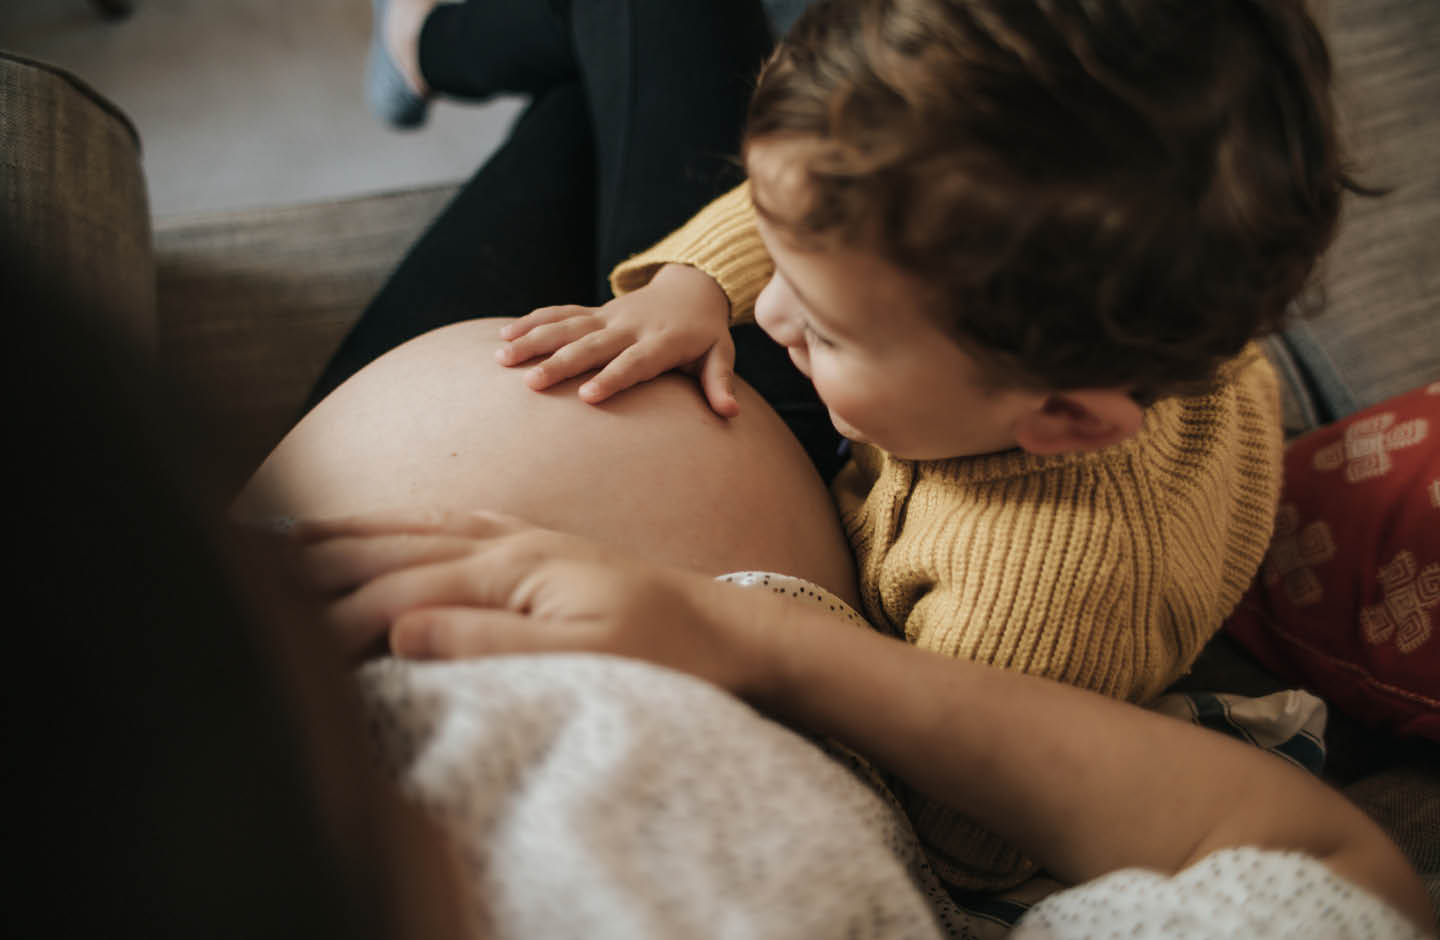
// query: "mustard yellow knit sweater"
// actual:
[[1107, 570]]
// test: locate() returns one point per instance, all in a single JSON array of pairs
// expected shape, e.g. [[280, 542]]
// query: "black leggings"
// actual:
[[634, 125]]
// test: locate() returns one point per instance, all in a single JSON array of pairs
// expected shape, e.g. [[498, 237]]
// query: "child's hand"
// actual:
[[681, 319]]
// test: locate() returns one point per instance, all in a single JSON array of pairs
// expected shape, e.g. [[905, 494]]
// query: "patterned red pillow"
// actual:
[[1348, 599]]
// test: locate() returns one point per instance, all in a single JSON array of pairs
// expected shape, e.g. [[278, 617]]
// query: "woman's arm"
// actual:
[[1084, 784]]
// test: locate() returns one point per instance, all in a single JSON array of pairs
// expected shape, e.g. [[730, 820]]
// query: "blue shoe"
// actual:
[[389, 95]]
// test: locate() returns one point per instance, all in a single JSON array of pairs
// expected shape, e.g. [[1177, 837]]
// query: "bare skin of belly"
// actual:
[[437, 423]]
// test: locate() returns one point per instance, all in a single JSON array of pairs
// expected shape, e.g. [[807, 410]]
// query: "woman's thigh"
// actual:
[[437, 423]]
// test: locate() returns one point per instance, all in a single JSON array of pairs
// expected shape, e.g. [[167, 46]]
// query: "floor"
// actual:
[[244, 103]]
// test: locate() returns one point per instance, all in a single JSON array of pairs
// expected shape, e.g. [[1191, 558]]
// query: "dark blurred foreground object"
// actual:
[[184, 749], [114, 9], [183, 756]]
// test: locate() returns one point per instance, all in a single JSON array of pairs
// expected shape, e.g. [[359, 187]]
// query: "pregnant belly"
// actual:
[[437, 423]]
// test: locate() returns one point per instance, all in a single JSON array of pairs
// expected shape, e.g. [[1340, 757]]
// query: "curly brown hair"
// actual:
[[1104, 193]]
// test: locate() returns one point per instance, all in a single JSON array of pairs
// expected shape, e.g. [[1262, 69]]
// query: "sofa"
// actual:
[[240, 310]]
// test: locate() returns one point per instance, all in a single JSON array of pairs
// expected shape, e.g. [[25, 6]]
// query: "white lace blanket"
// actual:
[[597, 797]]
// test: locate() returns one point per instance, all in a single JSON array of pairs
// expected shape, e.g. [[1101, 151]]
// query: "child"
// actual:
[[1022, 251]]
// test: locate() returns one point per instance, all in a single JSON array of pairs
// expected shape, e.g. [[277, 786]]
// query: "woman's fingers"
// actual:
[[478, 580], [411, 520], [339, 565], [338, 555], [462, 632], [380, 567], [376, 568]]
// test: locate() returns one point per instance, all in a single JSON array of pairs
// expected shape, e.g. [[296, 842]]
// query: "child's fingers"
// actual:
[[547, 338], [717, 380], [588, 352], [634, 365], [539, 317]]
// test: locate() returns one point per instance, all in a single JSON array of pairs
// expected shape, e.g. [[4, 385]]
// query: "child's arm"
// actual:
[[673, 308], [1084, 784]]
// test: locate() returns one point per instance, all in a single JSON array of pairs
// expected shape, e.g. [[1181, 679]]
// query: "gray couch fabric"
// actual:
[[73, 207], [1377, 333]]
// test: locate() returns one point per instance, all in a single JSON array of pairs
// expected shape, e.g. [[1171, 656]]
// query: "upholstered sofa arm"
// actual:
[[74, 217], [252, 303], [241, 309]]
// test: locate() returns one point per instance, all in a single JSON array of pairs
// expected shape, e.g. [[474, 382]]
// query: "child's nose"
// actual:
[[773, 315]]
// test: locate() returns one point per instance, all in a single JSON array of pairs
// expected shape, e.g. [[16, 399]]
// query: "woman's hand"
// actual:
[[681, 319], [450, 586]]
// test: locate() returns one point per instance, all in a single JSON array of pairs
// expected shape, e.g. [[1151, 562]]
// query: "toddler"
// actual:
[[1022, 250]]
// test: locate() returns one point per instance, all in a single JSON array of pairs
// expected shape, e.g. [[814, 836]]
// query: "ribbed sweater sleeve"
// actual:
[[721, 240]]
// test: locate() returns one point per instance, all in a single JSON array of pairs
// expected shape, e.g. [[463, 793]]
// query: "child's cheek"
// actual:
[[843, 390], [829, 386], [767, 311]]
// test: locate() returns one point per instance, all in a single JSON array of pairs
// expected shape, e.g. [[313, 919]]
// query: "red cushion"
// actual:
[[1348, 599]]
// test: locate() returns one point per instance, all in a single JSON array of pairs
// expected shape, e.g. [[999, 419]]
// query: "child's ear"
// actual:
[[1078, 420]]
